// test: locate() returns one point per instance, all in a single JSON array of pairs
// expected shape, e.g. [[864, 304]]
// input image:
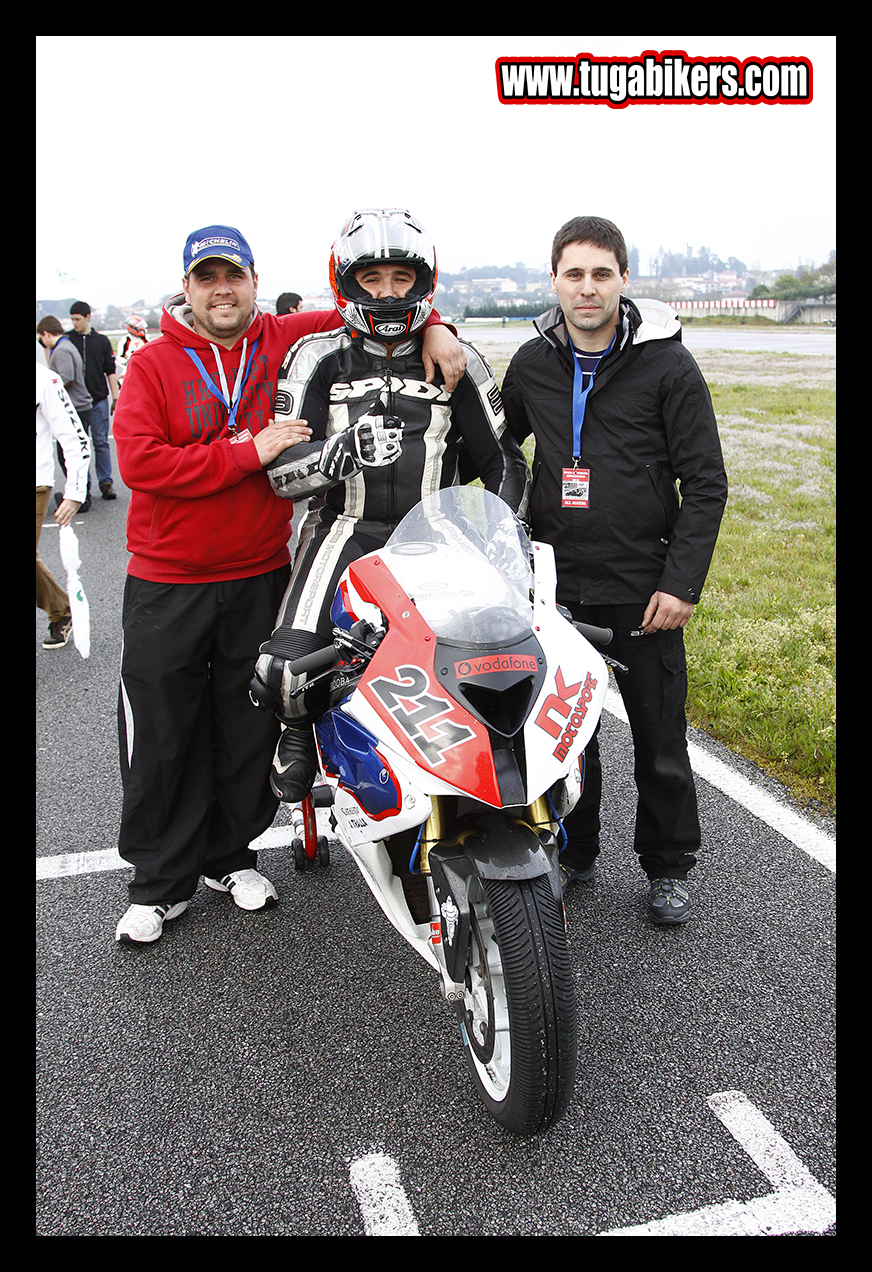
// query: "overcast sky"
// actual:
[[283, 136]]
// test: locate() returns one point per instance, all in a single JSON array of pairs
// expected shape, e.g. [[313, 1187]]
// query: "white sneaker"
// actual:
[[251, 890], [144, 923]]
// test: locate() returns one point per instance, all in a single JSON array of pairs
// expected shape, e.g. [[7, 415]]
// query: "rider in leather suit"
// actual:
[[382, 439]]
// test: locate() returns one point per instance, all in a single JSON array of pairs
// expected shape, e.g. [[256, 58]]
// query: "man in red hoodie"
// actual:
[[209, 565]]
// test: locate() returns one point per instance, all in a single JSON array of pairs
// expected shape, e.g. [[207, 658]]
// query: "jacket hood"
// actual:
[[641, 320], [659, 321], [176, 321]]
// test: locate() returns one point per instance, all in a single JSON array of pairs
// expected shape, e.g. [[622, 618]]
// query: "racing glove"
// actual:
[[378, 439], [375, 440], [310, 468], [273, 684]]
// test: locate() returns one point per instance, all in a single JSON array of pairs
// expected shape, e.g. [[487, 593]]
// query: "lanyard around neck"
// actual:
[[579, 396], [222, 395]]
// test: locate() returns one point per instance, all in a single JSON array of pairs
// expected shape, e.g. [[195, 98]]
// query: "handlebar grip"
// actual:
[[597, 635], [312, 662]]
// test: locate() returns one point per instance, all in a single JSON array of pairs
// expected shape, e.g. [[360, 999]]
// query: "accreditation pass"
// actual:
[[576, 488]]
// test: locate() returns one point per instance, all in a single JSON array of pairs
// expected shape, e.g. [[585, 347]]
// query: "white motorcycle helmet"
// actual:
[[380, 235]]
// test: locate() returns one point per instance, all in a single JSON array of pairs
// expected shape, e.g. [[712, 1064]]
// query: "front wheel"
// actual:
[[518, 1013]]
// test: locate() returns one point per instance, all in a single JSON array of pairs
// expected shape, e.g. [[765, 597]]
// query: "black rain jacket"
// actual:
[[649, 428]]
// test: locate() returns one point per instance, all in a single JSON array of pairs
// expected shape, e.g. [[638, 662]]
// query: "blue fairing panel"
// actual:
[[348, 752]]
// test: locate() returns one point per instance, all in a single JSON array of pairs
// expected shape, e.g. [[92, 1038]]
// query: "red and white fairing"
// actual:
[[455, 613]]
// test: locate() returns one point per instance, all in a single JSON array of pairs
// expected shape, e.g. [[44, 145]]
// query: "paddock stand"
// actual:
[[308, 846]]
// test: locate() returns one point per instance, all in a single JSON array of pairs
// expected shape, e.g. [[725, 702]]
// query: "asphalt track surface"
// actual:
[[295, 1073]]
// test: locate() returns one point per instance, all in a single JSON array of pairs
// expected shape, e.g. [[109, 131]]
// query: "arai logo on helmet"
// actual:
[[389, 328]]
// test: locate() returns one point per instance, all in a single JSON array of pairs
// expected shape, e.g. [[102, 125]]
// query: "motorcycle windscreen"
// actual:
[[465, 560], [402, 687]]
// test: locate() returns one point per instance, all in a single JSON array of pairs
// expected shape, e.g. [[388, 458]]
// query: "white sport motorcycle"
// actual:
[[460, 702]]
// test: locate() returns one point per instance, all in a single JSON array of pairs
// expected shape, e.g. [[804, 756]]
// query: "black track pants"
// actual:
[[328, 544], [195, 753], [667, 834]]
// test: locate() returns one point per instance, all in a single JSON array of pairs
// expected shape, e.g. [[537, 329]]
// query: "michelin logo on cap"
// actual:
[[217, 240], [198, 247]]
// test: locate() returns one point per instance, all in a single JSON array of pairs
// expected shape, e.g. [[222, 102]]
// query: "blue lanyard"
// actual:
[[579, 397], [233, 405]]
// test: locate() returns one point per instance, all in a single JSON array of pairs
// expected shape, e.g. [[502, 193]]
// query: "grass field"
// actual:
[[761, 643]]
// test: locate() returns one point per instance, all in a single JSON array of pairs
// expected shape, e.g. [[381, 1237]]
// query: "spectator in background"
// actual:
[[66, 361], [289, 303], [99, 366], [134, 338]]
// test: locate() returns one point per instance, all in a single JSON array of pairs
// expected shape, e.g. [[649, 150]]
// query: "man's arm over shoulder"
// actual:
[[441, 347], [311, 320], [295, 326]]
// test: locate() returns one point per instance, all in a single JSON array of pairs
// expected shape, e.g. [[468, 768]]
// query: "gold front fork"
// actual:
[[434, 830], [538, 815]]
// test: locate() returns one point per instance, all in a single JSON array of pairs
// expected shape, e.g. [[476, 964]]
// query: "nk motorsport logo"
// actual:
[[667, 78]]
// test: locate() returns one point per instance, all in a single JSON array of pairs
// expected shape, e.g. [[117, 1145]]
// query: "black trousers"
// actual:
[[195, 753], [667, 834]]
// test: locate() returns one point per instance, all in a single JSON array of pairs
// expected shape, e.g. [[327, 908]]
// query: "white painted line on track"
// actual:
[[379, 1192], [798, 1204], [76, 863], [801, 832]]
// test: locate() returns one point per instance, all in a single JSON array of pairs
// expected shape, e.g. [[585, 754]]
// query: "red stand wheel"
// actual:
[[310, 828]]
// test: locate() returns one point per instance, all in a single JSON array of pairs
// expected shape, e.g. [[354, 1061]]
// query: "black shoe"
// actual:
[[669, 902], [58, 633], [106, 490], [569, 875], [294, 765]]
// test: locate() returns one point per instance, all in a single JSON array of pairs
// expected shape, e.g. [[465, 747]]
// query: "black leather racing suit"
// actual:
[[331, 380]]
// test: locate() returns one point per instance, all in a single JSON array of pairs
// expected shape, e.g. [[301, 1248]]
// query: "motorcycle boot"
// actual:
[[295, 764]]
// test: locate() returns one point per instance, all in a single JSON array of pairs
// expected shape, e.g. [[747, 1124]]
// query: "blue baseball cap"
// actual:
[[216, 240]]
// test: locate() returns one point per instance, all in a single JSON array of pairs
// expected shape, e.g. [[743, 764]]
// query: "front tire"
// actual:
[[518, 1012]]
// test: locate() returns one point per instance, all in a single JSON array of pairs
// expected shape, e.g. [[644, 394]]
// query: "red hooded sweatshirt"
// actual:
[[201, 506]]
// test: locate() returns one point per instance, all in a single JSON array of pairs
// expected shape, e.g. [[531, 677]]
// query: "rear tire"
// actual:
[[518, 1012]]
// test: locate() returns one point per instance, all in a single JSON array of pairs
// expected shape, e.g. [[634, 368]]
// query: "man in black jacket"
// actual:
[[621, 414], [98, 360]]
